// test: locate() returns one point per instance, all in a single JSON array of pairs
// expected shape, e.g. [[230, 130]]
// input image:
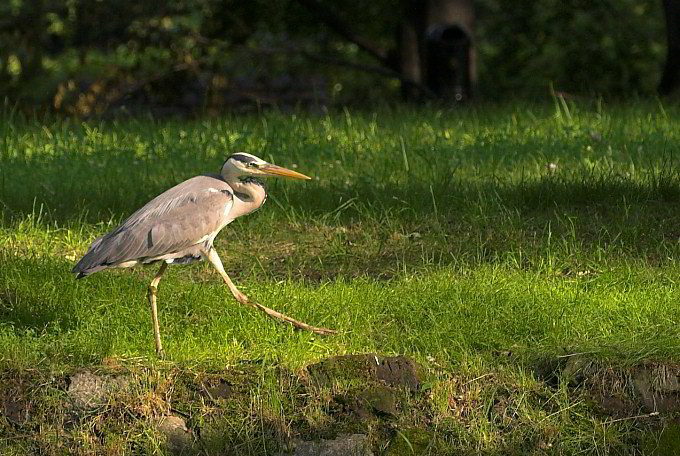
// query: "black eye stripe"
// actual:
[[242, 158]]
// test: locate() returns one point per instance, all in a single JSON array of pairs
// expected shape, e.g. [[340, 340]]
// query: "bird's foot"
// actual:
[[296, 323], [243, 299]]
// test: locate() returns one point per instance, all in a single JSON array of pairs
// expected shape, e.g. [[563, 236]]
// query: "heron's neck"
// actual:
[[249, 195]]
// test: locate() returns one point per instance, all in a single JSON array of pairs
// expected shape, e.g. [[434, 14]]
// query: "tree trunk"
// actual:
[[409, 61], [436, 48], [435, 55], [670, 80]]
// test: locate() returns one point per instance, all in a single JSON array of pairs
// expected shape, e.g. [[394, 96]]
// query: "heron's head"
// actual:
[[241, 164]]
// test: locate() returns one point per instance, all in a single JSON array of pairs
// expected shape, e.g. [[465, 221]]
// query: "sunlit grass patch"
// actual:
[[481, 242]]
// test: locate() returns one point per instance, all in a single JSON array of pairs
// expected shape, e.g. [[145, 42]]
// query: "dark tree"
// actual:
[[671, 72], [437, 49], [434, 55], [89, 56]]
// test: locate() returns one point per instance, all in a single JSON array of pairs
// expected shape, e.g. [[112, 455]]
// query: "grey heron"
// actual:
[[180, 225]]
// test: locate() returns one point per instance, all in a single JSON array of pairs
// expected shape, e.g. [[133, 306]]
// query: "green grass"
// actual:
[[446, 235]]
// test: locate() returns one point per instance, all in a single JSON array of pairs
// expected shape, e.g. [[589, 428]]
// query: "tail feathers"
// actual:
[[92, 262], [86, 266], [84, 272], [80, 274]]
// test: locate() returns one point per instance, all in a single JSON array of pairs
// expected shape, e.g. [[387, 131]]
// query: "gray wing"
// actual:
[[177, 219]]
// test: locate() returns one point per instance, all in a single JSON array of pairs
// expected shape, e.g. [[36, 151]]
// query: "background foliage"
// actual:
[[608, 47], [86, 55]]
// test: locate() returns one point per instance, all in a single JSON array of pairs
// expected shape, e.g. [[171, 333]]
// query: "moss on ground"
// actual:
[[253, 409]]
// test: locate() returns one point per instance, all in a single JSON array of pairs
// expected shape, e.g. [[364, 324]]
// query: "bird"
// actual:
[[179, 226]]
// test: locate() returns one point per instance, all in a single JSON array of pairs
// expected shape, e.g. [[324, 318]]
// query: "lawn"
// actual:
[[484, 243]]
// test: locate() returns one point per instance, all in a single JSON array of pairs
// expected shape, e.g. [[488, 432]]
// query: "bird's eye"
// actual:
[[252, 165]]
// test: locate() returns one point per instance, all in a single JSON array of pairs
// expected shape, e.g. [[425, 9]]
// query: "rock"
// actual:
[[668, 380], [221, 390], [343, 445], [354, 405], [659, 388], [380, 380], [339, 368], [615, 405], [576, 369], [88, 391], [378, 401], [15, 410], [381, 400], [179, 438], [398, 371], [643, 385]]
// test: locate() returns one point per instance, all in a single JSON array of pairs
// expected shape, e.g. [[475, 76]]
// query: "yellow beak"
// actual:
[[274, 170]]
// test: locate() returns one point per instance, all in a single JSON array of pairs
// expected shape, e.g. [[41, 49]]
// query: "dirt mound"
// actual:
[[344, 405]]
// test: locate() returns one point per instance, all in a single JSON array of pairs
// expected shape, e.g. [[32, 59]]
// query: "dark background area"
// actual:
[[91, 57]]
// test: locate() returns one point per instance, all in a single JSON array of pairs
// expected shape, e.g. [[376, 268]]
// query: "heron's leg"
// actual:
[[214, 258], [154, 312]]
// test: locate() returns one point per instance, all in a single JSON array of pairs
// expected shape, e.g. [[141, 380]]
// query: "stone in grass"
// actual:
[[659, 387], [398, 371], [179, 439], [16, 410], [88, 391], [379, 401], [343, 445]]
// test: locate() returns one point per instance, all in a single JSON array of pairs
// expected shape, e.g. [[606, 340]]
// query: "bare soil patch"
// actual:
[[356, 404]]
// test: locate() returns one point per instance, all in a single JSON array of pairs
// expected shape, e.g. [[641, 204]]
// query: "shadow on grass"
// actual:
[[27, 311], [375, 228], [383, 232], [33, 296], [75, 187], [42, 306]]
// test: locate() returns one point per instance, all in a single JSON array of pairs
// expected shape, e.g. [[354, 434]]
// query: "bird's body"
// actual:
[[174, 227], [180, 225]]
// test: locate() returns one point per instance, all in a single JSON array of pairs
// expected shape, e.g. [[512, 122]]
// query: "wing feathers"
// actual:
[[181, 217]]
